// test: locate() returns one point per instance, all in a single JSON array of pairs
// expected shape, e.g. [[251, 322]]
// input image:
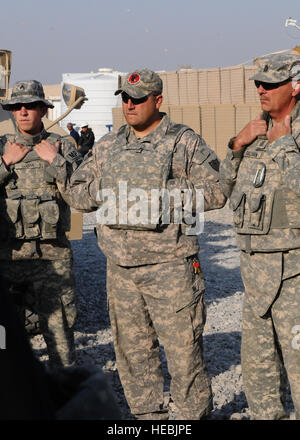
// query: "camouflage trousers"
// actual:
[[270, 350], [164, 301], [47, 287]]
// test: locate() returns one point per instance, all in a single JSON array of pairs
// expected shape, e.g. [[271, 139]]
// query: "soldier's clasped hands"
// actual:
[[14, 152], [257, 127], [46, 150]]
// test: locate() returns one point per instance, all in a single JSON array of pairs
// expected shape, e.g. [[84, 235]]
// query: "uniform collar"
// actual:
[[31, 141], [154, 136]]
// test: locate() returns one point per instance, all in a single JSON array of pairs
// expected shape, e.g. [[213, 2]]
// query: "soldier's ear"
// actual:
[[296, 89], [159, 100]]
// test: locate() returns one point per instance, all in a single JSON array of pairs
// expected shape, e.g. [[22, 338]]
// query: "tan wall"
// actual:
[[226, 85], [51, 90]]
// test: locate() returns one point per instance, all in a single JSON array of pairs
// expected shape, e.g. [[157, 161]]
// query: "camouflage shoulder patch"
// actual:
[[8, 137], [69, 152], [73, 157], [4, 139]]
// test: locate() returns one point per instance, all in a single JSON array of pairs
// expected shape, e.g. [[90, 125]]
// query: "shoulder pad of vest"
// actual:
[[122, 130], [177, 130], [54, 137], [8, 137]]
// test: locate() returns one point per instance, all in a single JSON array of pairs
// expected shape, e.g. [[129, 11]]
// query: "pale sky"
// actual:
[[49, 38]]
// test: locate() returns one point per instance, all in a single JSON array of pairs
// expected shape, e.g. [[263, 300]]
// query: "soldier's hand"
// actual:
[[279, 129], [257, 127], [46, 150], [14, 153]]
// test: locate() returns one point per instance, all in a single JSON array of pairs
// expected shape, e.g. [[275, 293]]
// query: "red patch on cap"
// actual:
[[134, 78]]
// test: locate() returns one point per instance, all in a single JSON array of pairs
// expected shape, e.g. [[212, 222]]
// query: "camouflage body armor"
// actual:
[[266, 213], [142, 166], [30, 201]]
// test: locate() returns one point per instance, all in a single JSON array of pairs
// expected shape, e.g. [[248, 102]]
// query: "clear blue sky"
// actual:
[[52, 37]]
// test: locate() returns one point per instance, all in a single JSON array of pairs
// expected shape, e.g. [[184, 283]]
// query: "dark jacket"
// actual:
[[75, 135], [86, 141]]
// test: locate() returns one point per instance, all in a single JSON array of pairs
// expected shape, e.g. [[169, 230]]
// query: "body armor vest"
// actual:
[[263, 207], [30, 201], [138, 168]]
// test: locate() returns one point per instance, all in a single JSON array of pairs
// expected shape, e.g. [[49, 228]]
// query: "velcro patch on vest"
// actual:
[[26, 165], [215, 164], [73, 154], [250, 153]]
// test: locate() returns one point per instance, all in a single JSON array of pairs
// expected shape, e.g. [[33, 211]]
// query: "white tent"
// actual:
[[97, 110]]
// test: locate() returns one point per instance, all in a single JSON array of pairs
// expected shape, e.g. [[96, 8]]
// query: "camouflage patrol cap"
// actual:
[[277, 68], [140, 83], [25, 92]]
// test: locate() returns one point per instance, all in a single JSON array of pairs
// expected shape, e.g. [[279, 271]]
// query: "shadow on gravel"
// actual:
[[114, 381], [90, 275], [237, 405], [227, 344], [219, 259], [90, 353], [90, 356], [40, 352]]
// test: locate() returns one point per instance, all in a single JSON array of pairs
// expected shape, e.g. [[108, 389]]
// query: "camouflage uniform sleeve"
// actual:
[[203, 170], [66, 161], [63, 165], [4, 172], [229, 169], [71, 154], [81, 190], [286, 154]]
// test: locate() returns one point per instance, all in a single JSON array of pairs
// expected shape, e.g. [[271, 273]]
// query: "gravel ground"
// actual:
[[219, 258]]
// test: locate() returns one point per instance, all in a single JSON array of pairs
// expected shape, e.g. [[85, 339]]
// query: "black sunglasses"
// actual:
[[270, 86], [27, 105], [135, 101]]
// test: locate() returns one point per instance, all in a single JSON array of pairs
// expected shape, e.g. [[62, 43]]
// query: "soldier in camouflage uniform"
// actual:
[[155, 286], [36, 257], [261, 175]]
